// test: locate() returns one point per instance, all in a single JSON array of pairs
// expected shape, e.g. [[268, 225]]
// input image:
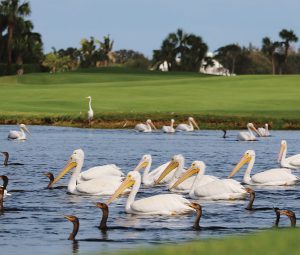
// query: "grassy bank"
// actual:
[[275, 242], [122, 94]]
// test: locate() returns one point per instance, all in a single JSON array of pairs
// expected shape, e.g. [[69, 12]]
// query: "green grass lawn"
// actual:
[[120, 93], [275, 242]]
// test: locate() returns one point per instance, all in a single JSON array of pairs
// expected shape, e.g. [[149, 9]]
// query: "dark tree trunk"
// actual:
[[9, 47]]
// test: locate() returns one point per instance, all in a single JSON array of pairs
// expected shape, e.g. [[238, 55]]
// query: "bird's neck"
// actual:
[[132, 194], [90, 104], [104, 218], [75, 230], [247, 178], [283, 155], [75, 176], [180, 169], [196, 225], [51, 179], [1, 199], [251, 201], [146, 172], [197, 181], [6, 157], [172, 124]]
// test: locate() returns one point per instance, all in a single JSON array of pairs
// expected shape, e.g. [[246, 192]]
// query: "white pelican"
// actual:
[[102, 185], [90, 111], [177, 163], [185, 186], [164, 204], [248, 136], [4, 186], [272, 177], [214, 190], [169, 129], [188, 127], [149, 177], [147, 127], [292, 162], [168, 176], [19, 135], [264, 132]]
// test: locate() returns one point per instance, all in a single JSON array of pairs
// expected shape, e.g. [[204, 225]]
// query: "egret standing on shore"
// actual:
[[90, 111]]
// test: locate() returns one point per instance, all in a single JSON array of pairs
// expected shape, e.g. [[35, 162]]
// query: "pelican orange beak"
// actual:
[[245, 159], [142, 164], [127, 183], [151, 123], [26, 130], [255, 130], [191, 171], [173, 164], [282, 148], [195, 123], [70, 165]]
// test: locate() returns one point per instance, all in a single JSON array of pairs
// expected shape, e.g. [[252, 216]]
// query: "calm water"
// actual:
[[34, 219]]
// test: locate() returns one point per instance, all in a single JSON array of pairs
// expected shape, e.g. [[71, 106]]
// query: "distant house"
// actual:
[[216, 69]]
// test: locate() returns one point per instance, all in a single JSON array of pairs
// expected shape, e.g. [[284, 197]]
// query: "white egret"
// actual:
[[264, 132], [169, 129], [104, 184], [146, 128], [19, 135], [163, 204], [90, 111], [292, 162], [272, 177], [188, 127], [248, 136], [218, 189]]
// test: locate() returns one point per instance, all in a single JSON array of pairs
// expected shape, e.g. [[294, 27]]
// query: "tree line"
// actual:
[[180, 51]]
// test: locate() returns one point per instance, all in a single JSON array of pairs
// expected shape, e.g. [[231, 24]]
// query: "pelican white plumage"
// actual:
[[102, 184], [218, 189], [149, 177], [173, 175], [185, 186], [292, 162], [169, 129], [272, 177], [164, 204], [264, 132], [146, 128], [248, 136], [19, 135], [90, 111], [188, 127]]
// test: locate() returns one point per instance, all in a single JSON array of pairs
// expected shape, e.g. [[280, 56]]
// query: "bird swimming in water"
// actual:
[[198, 209], [105, 212], [288, 213], [249, 207], [6, 157], [75, 222], [5, 183], [1, 199], [19, 135], [224, 133]]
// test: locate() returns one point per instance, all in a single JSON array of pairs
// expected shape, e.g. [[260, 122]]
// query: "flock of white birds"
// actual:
[[193, 182]]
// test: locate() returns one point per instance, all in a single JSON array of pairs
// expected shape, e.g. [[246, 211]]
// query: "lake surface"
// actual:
[[34, 223]]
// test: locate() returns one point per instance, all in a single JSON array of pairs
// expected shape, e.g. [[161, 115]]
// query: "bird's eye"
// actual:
[[129, 176]]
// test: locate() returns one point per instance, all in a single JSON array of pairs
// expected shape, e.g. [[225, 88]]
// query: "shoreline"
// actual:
[[116, 122]]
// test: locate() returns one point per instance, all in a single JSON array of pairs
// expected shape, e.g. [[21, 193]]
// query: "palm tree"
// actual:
[[106, 47], [288, 36], [12, 10], [269, 48]]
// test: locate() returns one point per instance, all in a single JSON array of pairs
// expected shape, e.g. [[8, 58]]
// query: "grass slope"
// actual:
[[121, 93], [275, 242]]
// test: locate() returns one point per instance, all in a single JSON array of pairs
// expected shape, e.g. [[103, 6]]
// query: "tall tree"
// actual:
[[12, 10], [268, 48], [228, 55], [106, 47]]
